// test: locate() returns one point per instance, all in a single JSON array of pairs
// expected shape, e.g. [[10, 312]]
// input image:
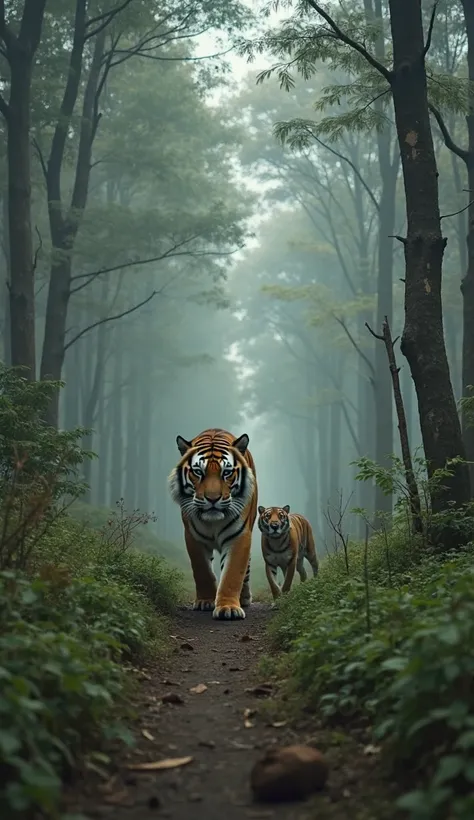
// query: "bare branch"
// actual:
[[344, 38], [354, 168], [461, 210], [356, 347], [4, 107], [448, 140], [103, 20], [40, 156], [430, 28], [110, 319]]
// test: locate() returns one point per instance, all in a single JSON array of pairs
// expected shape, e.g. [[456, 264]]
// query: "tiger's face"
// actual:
[[212, 483], [274, 521]]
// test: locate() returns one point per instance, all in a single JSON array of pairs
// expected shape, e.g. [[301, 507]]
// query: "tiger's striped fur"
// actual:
[[215, 485], [287, 539]]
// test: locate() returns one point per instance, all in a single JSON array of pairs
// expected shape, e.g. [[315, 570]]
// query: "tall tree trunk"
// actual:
[[131, 463], [72, 391], [7, 347], [423, 338], [20, 51], [389, 174], [311, 477], [117, 464], [144, 441], [383, 383], [95, 391], [324, 459], [64, 226], [103, 433], [467, 285]]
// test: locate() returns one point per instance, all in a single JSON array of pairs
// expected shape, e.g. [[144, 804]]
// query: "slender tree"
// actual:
[[19, 49]]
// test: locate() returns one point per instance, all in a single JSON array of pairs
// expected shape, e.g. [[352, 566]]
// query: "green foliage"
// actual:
[[39, 466], [75, 604], [409, 676]]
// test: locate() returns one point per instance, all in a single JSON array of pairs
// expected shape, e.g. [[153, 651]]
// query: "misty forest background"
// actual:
[[193, 270]]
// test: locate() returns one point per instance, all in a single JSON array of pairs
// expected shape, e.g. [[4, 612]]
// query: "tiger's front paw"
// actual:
[[204, 604], [229, 610]]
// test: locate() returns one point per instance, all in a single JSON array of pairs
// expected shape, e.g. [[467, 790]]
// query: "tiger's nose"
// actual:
[[274, 524], [212, 499]]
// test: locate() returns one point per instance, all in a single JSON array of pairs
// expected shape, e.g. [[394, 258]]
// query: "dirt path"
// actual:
[[210, 727]]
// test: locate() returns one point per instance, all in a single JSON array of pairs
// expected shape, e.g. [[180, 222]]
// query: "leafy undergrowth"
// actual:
[[78, 609], [391, 650]]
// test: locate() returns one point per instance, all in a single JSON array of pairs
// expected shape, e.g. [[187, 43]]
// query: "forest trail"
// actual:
[[210, 727]]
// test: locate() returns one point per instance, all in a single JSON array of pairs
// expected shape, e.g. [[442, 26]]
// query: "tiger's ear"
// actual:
[[286, 508], [241, 443], [183, 445], [261, 510]]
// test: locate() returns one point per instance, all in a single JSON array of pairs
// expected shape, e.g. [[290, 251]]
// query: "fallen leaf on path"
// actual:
[[199, 689], [215, 682], [372, 750], [172, 697], [146, 734], [167, 682], [209, 744], [187, 645], [243, 746], [248, 724], [158, 765], [279, 723], [248, 713]]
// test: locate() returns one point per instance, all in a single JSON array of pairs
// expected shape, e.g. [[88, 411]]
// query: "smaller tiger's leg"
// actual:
[[300, 568], [246, 594], [289, 575], [204, 578], [311, 553], [271, 573]]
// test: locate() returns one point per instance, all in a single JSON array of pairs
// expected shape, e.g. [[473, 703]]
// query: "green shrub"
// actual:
[[390, 560], [62, 686], [403, 660], [74, 605]]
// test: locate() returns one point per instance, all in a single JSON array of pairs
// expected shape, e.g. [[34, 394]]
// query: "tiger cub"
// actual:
[[287, 539]]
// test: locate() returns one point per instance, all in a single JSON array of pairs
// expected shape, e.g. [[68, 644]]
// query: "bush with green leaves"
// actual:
[[39, 466], [63, 688], [74, 606], [402, 660]]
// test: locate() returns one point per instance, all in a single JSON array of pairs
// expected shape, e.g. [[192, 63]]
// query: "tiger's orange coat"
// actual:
[[287, 539], [216, 487]]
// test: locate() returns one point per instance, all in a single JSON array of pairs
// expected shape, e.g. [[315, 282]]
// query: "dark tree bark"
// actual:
[[65, 223], [467, 285], [20, 51], [423, 338]]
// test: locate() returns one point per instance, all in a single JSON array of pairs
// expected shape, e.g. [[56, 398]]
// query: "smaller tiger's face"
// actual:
[[274, 521]]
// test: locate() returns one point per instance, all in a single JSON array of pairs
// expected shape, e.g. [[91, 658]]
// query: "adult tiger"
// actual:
[[287, 539], [215, 485]]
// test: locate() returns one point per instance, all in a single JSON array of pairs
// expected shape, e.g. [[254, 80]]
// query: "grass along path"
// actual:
[[213, 726]]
